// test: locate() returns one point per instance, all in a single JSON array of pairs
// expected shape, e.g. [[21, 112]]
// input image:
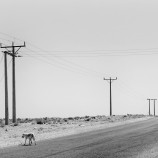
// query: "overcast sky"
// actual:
[[71, 45]]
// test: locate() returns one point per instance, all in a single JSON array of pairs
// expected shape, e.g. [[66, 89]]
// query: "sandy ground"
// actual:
[[11, 135], [150, 153]]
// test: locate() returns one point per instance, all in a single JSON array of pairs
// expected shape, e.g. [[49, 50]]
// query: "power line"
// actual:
[[133, 91], [87, 70], [64, 67], [68, 65], [98, 52], [5, 40]]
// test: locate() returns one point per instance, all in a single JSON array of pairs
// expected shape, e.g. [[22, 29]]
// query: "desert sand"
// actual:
[[49, 128]]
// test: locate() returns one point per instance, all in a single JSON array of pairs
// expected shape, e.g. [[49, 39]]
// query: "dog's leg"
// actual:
[[34, 139], [29, 141], [25, 141]]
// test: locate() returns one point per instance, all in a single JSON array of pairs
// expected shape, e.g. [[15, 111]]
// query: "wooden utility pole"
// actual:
[[110, 93], [13, 54], [149, 106], [154, 105], [6, 89]]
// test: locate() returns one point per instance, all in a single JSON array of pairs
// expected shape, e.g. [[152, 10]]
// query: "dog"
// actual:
[[29, 136]]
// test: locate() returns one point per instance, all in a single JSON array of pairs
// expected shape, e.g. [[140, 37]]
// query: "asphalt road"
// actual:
[[116, 142]]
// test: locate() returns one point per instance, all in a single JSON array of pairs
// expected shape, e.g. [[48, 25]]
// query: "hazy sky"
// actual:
[[70, 46]]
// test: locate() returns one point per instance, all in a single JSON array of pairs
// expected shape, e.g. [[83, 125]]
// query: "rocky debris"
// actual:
[[71, 120], [46, 128]]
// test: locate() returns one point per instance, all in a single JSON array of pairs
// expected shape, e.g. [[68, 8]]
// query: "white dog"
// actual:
[[29, 136]]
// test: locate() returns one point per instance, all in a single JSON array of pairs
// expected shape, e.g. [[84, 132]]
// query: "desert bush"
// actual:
[[70, 118], [23, 121], [76, 118], [86, 116], [18, 119], [124, 116], [65, 120], [2, 125], [93, 117], [40, 121], [15, 124], [87, 119], [129, 115]]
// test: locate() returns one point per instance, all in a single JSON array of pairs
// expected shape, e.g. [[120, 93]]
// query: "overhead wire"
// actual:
[[98, 54], [60, 65], [67, 63], [90, 53], [45, 61], [132, 91], [43, 55], [95, 53]]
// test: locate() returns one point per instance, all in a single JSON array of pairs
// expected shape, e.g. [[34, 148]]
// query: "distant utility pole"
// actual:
[[6, 89], [149, 106], [110, 93], [154, 105], [13, 54]]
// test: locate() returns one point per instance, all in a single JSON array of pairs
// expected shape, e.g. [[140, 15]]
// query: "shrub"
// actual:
[[15, 124], [65, 119], [86, 116], [87, 119], [76, 118], [40, 121], [124, 116], [2, 125], [70, 118]]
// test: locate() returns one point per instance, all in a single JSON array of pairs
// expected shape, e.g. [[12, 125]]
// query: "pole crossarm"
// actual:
[[14, 53], [14, 46], [110, 79]]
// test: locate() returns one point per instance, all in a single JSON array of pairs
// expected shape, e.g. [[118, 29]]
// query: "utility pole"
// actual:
[[13, 54], [6, 89], [154, 105], [110, 93], [149, 106]]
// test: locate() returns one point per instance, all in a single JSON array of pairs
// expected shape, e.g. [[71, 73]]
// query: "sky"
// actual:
[[71, 45]]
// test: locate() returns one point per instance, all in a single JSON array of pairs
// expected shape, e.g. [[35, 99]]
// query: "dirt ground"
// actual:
[[10, 135]]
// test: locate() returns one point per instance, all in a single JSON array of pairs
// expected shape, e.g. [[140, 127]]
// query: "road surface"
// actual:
[[116, 142]]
